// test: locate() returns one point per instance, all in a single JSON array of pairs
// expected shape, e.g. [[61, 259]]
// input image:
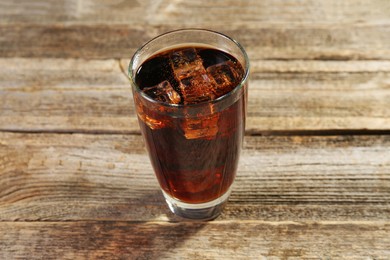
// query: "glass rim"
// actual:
[[217, 100]]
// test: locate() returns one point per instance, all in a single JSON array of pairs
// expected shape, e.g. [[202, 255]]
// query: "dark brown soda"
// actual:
[[191, 168]]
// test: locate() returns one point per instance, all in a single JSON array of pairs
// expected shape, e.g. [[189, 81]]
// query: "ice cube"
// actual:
[[225, 75], [163, 92], [195, 85], [184, 62], [201, 128], [196, 88], [149, 116]]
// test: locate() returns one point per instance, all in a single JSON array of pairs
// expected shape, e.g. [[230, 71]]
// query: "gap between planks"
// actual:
[[212, 222], [325, 132]]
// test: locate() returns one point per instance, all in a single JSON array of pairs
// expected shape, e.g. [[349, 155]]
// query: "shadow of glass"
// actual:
[[146, 229]]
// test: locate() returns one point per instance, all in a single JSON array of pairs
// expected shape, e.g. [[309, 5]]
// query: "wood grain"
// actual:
[[195, 13], [280, 41], [268, 29], [314, 175], [76, 95], [65, 94], [109, 177], [186, 240]]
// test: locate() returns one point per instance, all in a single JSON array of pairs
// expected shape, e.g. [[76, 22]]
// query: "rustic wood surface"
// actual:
[[314, 175]]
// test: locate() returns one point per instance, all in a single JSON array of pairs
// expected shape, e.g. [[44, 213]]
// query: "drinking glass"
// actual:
[[194, 148]]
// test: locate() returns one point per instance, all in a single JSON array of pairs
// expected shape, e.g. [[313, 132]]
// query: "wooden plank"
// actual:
[[194, 13], [65, 94], [77, 41], [191, 240], [57, 177], [265, 41], [72, 95], [48, 11]]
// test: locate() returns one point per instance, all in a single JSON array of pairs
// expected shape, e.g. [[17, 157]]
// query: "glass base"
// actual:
[[201, 211]]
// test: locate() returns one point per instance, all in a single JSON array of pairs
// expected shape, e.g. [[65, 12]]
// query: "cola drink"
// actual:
[[195, 158], [190, 91]]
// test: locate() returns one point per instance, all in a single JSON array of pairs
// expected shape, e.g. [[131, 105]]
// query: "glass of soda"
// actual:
[[190, 94]]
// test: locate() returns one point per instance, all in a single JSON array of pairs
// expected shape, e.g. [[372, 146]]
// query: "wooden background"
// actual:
[[314, 175]]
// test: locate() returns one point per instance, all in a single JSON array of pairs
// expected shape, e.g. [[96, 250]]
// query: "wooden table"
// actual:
[[314, 175]]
